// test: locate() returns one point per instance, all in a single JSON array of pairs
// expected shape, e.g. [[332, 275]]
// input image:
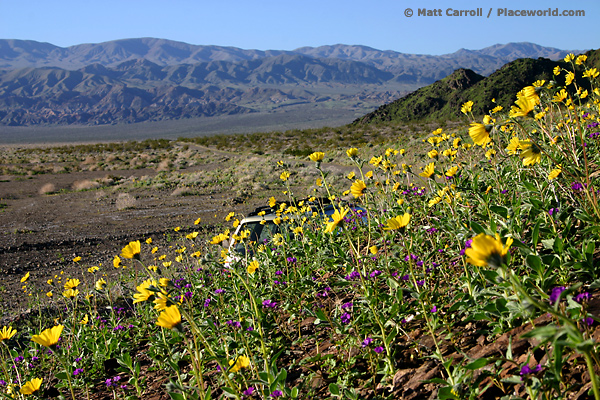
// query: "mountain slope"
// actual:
[[442, 100]]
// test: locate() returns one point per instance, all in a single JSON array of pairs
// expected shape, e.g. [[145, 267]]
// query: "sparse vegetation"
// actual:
[[473, 272]]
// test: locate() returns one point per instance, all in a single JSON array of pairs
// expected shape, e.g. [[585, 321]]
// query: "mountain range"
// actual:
[[147, 79]]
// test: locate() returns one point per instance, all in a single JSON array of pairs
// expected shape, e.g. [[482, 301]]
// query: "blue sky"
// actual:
[[286, 25]]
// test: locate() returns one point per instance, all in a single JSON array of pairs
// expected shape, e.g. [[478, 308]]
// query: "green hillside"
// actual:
[[442, 99]]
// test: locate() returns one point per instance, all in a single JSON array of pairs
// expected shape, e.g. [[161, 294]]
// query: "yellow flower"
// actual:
[[278, 239], [117, 262], [143, 291], [428, 171], [433, 153], [357, 188], [337, 217], [161, 301], [252, 267], [219, 238], [397, 222], [72, 284], [77, 259], [580, 59], [554, 173], [239, 363], [284, 176], [25, 277], [319, 182], [556, 70], [31, 386], [93, 269], [132, 250], [487, 250], [513, 145], [49, 294], [149, 240], [100, 283], [373, 249], [192, 236], [490, 153], [351, 175], [569, 78], [154, 250], [85, 320], [466, 107], [272, 202], [196, 222], [591, 73], [70, 293], [560, 96], [352, 152], [317, 156], [531, 153], [569, 57], [6, 333], [49, 337], [480, 133], [524, 105], [369, 174], [298, 230], [229, 216], [452, 171], [169, 318]]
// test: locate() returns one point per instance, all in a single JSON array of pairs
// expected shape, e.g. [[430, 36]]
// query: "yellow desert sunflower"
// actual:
[[132, 250], [357, 188], [49, 337], [397, 222], [32, 386], [480, 133], [143, 291], [252, 267], [531, 153], [169, 318], [7, 332], [487, 250], [317, 156], [337, 217], [428, 171], [239, 363]]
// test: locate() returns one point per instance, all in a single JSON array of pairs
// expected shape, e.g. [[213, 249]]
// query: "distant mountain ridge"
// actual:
[[134, 80]]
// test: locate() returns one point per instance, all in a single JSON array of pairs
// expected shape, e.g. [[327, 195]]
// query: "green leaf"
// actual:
[[334, 389], [176, 396], [229, 392], [479, 363], [535, 263], [535, 234], [500, 210], [477, 228], [446, 393]]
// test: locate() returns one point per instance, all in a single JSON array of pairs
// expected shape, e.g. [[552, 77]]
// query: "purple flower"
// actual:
[[367, 342], [219, 291], [276, 393], [379, 349], [292, 260], [581, 297], [555, 294], [576, 186], [269, 304], [346, 318], [347, 305], [552, 211], [207, 302], [434, 309], [589, 321], [375, 273], [526, 370], [235, 324], [248, 392], [77, 371]]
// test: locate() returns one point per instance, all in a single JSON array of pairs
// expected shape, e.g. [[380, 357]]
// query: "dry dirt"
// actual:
[[42, 233]]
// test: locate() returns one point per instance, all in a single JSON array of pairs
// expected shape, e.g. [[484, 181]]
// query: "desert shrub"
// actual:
[[47, 188]]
